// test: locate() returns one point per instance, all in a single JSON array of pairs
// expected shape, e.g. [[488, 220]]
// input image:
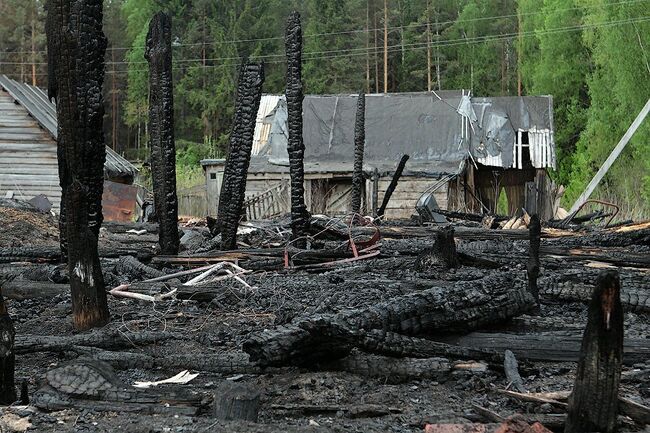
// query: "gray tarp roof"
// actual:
[[36, 102], [426, 126]]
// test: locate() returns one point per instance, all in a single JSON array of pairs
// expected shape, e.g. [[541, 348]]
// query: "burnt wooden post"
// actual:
[[76, 48], [231, 199], [296, 146], [359, 143], [593, 405], [7, 356], [158, 53], [533, 266], [235, 401], [392, 186]]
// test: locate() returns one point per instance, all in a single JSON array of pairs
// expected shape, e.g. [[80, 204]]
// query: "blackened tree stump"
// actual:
[[158, 53], [593, 405], [296, 147], [231, 199], [76, 48], [235, 401], [359, 144], [7, 356], [442, 255]]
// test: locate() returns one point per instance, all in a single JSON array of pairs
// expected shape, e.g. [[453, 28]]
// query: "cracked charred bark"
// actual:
[[296, 146], [359, 143], [231, 199], [7, 356], [76, 47], [593, 405], [161, 131]]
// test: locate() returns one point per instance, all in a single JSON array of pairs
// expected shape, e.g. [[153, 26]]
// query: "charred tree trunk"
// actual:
[[231, 200], [296, 146], [593, 405], [158, 53], [359, 143], [535, 231], [76, 48], [7, 356], [392, 186]]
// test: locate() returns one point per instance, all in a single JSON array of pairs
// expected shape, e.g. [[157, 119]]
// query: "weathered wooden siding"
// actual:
[[28, 164], [406, 195]]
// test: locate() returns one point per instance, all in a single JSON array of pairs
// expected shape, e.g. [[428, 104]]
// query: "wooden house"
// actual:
[[28, 149], [464, 151]]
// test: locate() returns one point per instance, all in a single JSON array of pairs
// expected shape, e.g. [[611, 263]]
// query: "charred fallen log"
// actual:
[[132, 268], [100, 338], [231, 200], [464, 307], [52, 254], [76, 76], [7, 356], [549, 346], [158, 53], [236, 401], [391, 187], [295, 145], [634, 299], [359, 144], [395, 370], [593, 405]]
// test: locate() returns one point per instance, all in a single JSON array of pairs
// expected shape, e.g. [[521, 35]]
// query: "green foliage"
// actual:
[[591, 55]]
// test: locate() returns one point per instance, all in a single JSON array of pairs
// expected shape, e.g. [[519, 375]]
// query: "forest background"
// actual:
[[591, 55]]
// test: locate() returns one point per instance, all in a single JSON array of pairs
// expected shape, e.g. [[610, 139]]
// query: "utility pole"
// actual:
[[520, 49], [368, 46], [429, 46], [385, 46]]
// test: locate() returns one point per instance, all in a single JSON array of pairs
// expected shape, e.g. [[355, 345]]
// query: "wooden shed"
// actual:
[[464, 151], [28, 149]]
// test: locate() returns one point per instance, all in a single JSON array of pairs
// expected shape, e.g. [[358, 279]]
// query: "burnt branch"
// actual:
[[359, 143], [392, 186], [76, 47], [231, 199], [296, 146], [161, 130]]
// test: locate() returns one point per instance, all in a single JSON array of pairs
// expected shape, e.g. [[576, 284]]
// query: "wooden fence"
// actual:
[[193, 201]]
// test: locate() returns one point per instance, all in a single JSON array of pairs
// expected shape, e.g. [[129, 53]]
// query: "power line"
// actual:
[[440, 23], [315, 55]]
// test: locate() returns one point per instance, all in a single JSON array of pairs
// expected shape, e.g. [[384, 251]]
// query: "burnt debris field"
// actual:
[[375, 328], [299, 321]]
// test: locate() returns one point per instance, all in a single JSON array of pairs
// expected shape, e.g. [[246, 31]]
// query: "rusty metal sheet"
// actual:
[[119, 202]]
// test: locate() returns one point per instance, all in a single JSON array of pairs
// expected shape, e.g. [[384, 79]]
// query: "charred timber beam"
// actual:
[[392, 186], [99, 338], [463, 307], [296, 146], [76, 48], [231, 199], [158, 53], [359, 143], [7, 356], [593, 405], [533, 266]]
